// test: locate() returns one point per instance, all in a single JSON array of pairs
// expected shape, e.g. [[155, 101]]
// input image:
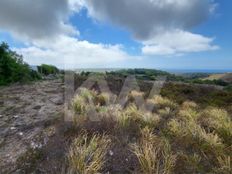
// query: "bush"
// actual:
[[47, 69]]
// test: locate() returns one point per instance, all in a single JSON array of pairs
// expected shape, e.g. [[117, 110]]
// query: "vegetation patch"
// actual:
[[158, 141]]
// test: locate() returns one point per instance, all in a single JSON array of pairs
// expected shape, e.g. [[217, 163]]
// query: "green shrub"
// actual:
[[47, 69], [13, 68]]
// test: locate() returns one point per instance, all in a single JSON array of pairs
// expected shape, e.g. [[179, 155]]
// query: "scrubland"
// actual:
[[169, 138]]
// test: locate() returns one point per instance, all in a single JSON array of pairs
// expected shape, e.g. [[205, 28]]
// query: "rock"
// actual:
[[57, 101], [13, 128], [36, 145], [111, 153], [21, 133], [16, 116]]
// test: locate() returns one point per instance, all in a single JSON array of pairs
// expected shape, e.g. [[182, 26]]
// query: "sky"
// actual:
[[161, 34]]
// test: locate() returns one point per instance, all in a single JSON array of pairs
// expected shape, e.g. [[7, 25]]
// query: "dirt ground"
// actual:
[[28, 117]]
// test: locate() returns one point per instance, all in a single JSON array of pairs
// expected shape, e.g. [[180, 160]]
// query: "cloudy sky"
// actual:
[[166, 34]]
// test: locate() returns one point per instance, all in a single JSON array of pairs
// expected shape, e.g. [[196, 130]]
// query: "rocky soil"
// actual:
[[28, 118]]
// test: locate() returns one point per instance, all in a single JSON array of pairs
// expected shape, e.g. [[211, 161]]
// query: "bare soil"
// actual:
[[28, 119]]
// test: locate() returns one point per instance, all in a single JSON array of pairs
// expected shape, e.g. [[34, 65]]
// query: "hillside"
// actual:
[[182, 124], [227, 77]]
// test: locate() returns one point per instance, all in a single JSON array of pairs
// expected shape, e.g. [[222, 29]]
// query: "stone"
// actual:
[[111, 153]]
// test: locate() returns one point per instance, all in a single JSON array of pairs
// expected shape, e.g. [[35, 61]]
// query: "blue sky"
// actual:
[[86, 34]]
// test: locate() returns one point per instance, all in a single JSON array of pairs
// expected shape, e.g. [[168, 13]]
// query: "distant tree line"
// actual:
[[152, 74]]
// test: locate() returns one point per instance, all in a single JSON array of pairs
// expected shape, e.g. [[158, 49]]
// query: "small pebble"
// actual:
[[111, 153], [16, 116], [21, 133], [12, 128]]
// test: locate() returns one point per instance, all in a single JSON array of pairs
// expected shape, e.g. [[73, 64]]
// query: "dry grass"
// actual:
[[188, 114], [79, 105], [135, 95], [103, 99], [189, 104], [135, 115], [191, 133], [154, 154], [87, 155], [225, 165], [164, 102], [200, 138], [219, 121]]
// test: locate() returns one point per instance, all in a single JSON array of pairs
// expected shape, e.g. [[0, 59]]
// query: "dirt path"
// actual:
[[27, 117]]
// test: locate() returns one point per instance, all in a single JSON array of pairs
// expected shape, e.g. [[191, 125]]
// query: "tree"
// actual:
[[13, 68]]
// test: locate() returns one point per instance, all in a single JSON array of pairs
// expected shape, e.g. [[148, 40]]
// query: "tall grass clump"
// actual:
[[87, 154], [142, 118], [193, 135], [219, 121], [128, 116], [86, 94], [188, 114], [225, 165], [149, 120], [103, 99], [154, 154], [136, 96], [81, 101], [162, 102], [79, 105], [189, 104]]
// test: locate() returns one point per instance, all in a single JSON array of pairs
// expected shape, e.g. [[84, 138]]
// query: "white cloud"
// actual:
[[41, 19], [68, 52], [161, 25], [76, 5], [146, 18], [177, 42], [43, 25]]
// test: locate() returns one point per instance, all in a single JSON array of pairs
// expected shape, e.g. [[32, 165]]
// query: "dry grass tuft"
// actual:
[[225, 165], [103, 99], [135, 115], [193, 134], [219, 121], [87, 155], [154, 154], [164, 102], [135, 95], [189, 104], [86, 94], [188, 114]]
